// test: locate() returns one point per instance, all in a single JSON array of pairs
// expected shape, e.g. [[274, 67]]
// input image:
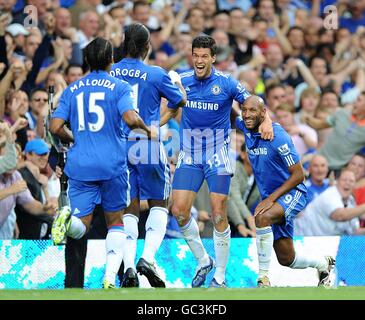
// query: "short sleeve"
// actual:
[[63, 108], [126, 100], [284, 147], [238, 91]]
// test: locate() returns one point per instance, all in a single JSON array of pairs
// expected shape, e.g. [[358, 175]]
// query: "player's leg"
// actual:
[[155, 187], [114, 199], [130, 221], [219, 189], [83, 198], [155, 232], [186, 184], [293, 203], [265, 240]]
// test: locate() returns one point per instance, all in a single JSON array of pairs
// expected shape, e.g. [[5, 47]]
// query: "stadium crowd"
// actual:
[[311, 74]]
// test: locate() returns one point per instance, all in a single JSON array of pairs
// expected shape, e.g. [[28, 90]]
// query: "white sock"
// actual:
[[130, 222], [264, 243], [302, 262], [222, 242], [155, 232], [115, 243], [191, 235], [77, 228]]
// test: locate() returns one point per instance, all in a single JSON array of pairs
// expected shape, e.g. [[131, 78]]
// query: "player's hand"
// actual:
[[175, 77], [263, 206], [266, 130]]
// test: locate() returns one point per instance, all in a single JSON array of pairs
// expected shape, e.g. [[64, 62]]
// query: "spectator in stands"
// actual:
[[357, 165], [309, 101], [333, 212], [317, 181], [73, 72], [221, 21], [14, 191], [304, 137], [30, 226], [243, 198], [38, 111], [274, 96], [88, 27], [274, 63], [209, 8], [348, 134]]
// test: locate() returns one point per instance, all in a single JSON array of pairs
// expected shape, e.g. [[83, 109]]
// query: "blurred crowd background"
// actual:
[[304, 58]]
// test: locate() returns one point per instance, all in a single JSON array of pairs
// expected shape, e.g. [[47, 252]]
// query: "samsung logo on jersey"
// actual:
[[129, 72], [202, 105], [95, 83], [258, 151]]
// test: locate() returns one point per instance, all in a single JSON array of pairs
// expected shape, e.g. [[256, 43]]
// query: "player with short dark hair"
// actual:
[[204, 149], [96, 106], [147, 162], [283, 194]]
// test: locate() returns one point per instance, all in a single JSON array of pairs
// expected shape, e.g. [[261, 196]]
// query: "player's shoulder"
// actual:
[[221, 75], [280, 135], [186, 74]]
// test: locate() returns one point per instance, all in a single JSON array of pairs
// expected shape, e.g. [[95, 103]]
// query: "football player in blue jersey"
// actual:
[[204, 154], [149, 171], [96, 106], [279, 176]]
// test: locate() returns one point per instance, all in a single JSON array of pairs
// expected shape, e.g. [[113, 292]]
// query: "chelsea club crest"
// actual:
[[216, 89]]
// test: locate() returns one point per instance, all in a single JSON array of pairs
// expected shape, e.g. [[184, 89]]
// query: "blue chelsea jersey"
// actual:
[[94, 106], [270, 160], [208, 107], [149, 84]]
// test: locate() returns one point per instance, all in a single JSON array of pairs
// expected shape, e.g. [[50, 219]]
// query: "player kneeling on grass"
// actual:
[[96, 107], [279, 176]]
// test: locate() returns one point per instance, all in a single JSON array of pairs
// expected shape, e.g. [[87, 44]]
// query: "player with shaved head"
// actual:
[[279, 176]]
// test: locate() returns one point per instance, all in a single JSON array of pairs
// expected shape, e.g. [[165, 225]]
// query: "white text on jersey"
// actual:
[[94, 82], [129, 72]]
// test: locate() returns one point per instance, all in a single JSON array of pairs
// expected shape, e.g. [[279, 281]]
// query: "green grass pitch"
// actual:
[[275, 293]]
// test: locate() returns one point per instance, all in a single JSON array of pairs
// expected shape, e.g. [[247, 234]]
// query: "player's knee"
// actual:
[[285, 259], [262, 221], [179, 213], [219, 218]]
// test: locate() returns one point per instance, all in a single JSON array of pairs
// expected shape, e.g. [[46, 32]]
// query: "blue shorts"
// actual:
[[112, 194], [217, 170], [293, 202], [149, 174]]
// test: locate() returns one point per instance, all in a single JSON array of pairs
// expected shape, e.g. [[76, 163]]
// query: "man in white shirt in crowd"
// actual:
[[333, 212]]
